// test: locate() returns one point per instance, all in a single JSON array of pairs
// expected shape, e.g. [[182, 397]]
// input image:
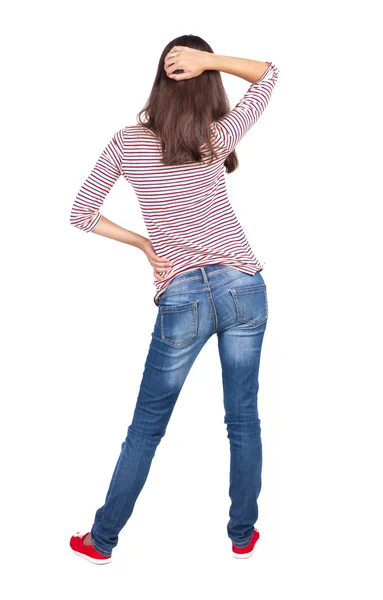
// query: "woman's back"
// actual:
[[186, 209]]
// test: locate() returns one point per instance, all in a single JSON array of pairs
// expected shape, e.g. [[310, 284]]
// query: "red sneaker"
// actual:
[[248, 550], [88, 552]]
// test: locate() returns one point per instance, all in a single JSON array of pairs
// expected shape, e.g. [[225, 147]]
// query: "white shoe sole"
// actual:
[[96, 561], [247, 555]]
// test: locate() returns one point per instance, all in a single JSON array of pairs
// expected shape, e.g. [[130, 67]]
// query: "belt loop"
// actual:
[[204, 275]]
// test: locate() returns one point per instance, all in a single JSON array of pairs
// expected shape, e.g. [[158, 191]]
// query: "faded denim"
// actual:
[[215, 299]]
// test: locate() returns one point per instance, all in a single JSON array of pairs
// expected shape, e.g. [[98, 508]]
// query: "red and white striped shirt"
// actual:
[[186, 210]]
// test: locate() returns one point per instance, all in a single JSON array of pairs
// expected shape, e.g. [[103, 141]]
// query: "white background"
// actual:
[[78, 311]]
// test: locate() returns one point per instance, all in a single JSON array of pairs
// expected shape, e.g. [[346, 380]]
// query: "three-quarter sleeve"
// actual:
[[85, 212], [230, 128]]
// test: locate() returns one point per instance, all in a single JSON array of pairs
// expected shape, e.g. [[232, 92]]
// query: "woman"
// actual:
[[206, 276]]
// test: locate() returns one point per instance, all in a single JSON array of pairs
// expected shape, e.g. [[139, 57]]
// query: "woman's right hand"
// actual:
[[192, 61]]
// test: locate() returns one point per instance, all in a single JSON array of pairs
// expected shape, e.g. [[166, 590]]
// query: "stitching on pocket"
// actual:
[[245, 309], [166, 326]]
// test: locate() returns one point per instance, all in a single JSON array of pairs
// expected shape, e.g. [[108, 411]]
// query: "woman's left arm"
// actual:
[[85, 213]]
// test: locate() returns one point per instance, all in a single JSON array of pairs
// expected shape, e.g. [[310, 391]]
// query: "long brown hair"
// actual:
[[180, 113]]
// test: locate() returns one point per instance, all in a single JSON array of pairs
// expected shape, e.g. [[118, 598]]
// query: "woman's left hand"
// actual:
[[159, 264]]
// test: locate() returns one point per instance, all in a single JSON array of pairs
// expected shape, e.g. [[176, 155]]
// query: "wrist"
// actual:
[[143, 244], [211, 61]]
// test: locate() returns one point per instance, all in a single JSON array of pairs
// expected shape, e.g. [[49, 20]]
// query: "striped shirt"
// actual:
[[186, 210]]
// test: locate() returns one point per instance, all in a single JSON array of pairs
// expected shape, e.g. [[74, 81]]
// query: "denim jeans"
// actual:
[[197, 304]]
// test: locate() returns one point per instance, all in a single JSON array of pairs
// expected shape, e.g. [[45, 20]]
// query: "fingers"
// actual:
[[159, 275], [179, 76], [172, 56], [172, 71], [171, 66], [174, 67], [158, 262], [172, 59], [168, 62], [161, 265], [175, 51]]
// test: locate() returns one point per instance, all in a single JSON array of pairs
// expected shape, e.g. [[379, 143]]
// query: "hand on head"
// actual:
[[191, 61]]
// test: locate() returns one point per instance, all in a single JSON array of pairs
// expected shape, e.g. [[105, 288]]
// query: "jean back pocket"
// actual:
[[251, 304], [179, 322]]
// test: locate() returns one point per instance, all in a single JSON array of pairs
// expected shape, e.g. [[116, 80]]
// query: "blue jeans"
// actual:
[[196, 304]]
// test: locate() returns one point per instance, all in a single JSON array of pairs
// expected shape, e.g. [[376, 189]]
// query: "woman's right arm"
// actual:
[[263, 76], [194, 62], [246, 68]]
